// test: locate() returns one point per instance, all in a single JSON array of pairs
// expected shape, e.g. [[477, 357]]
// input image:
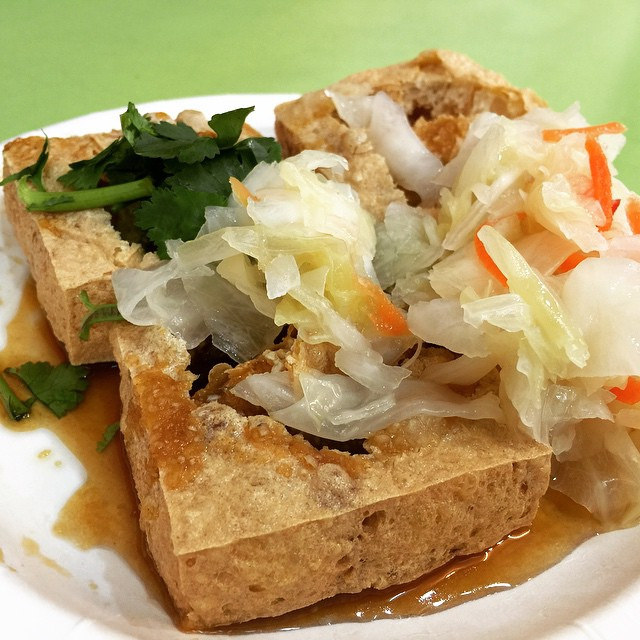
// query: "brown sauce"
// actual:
[[103, 513], [32, 548], [559, 527]]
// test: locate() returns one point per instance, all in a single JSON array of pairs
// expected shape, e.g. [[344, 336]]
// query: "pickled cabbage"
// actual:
[[563, 332], [522, 268]]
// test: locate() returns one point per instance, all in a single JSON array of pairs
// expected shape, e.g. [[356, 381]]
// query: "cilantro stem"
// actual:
[[108, 435], [14, 406], [84, 199]]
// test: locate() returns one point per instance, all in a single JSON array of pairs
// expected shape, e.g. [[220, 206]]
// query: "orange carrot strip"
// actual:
[[571, 262], [601, 177], [630, 394], [554, 135], [384, 315], [633, 215], [486, 261]]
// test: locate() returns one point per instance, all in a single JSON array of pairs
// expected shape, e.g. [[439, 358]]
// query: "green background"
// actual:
[[63, 58]]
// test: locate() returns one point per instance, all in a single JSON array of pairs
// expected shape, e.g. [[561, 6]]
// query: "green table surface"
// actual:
[[64, 58]]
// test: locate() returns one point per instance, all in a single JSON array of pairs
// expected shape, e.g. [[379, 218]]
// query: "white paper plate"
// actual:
[[593, 593]]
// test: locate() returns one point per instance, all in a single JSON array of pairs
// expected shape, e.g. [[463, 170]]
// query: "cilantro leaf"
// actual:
[[60, 388], [213, 175], [15, 408], [97, 313], [108, 435], [158, 177], [118, 162], [33, 171], [133, 123], [228, 126], [87, 174], [175, 141], [202, 176], [174, 213], [262, 149]]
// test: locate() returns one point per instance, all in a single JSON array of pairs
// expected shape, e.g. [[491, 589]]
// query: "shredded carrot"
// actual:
[[384, 315], [554, 135], [600, 174], [571, 262], [486, 261], [601, 177], [630, 394], [241, 192], [633, 214]]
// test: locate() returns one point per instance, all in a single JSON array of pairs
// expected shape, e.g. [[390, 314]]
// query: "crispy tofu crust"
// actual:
[[244, 520], [74, 251], [440, 91], [68, 252]]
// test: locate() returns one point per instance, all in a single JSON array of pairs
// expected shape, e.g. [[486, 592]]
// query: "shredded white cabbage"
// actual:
[[339, 408], [411, 164], [407, 245], [562, 335], [441, 321], [603, 297], [601, 471], [551, 334], [521, 271]]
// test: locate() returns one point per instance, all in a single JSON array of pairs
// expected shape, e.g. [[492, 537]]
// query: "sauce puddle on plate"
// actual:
[[559, 527], [32, 548], [103, 512]]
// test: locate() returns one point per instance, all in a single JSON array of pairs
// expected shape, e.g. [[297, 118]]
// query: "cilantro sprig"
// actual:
[[59, 388], [157, 178], [97, 313]]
